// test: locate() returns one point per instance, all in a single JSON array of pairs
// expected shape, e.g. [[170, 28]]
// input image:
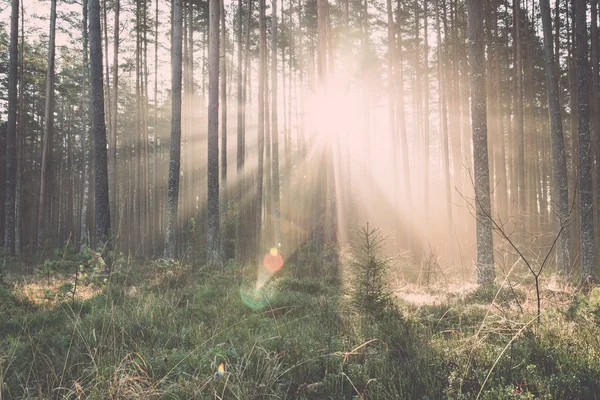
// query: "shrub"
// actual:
[[370, 289]]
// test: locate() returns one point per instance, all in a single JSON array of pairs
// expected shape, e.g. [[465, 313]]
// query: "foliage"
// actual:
[[370, 290], [161, 330]]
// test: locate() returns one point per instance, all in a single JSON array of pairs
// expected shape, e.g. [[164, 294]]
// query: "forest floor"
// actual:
[[180, 331]]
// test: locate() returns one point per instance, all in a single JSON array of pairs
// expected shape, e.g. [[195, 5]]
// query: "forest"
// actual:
[[299, 199]]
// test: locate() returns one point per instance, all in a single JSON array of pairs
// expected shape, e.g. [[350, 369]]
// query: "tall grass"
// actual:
[[162, 330]]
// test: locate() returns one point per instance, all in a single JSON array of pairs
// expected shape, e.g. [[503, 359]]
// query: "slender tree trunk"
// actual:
[[275, 129], [85, 143], [444, 130], [240, 139], [223, 82], [114, 115], [261, 123], [425, 120], [212, 240], [403, 135], [485, 251], [586, 198], [102, 209], [519, 124], [175, 154], [154, 228], [559, 163], [46, 174], [108, 103], [20, 142], [11, 137]]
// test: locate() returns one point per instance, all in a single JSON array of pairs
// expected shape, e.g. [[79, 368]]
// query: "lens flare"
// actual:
[[253, 297], [273, 261]]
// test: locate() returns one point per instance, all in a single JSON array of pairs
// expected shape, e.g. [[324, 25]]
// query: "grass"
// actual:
[[160, 330]]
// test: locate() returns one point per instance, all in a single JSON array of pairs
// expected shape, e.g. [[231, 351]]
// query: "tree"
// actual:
[[275, 128], [102, 216], [115, 106], [559, 163], [485, 251], [586, 199], [11, 136], [519, 124], [46, 176], [85, 111], [261, 121], [212, 239], [175, 154]]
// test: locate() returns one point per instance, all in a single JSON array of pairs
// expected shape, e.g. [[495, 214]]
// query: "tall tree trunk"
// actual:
[[115, 107], [175, 153], [223, 82], [240, 139], [11, 137], [108, 103], [212, 239], [275, 130], [442, 95], [519, 123], [485, 251], [46, 174], [586, 198], [84, 239], [261, 123], [403, 135], [559, 163], [154, 228], [425, 120], [102, 208], [20, 142]]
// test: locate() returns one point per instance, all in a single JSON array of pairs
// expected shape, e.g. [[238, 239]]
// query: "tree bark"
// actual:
[[275, 130], [175, 153], [212, 239], [102, 208], [485, 251], [261, 123], [11, 137], [586, 198], [84, 238], [559, 163], [46, 173]]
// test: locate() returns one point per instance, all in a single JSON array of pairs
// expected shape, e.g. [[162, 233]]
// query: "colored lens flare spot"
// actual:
[[273, 261], [221, 370]]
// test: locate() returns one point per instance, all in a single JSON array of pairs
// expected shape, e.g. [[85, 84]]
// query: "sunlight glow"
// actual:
[[334, 111]]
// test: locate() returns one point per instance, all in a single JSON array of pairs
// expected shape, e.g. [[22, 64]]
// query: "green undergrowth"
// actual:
[[160, 330]]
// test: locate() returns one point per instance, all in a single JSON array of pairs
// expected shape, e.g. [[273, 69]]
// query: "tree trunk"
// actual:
[[485, 251], [559, 163], [102, 208], [84, 239], [175, 153], [212, 239], [114, 115], [519, 124], [46, 174], [444, 130], [240, 139], [11, 136], [274, 130], [261, 123], [586, 198]]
